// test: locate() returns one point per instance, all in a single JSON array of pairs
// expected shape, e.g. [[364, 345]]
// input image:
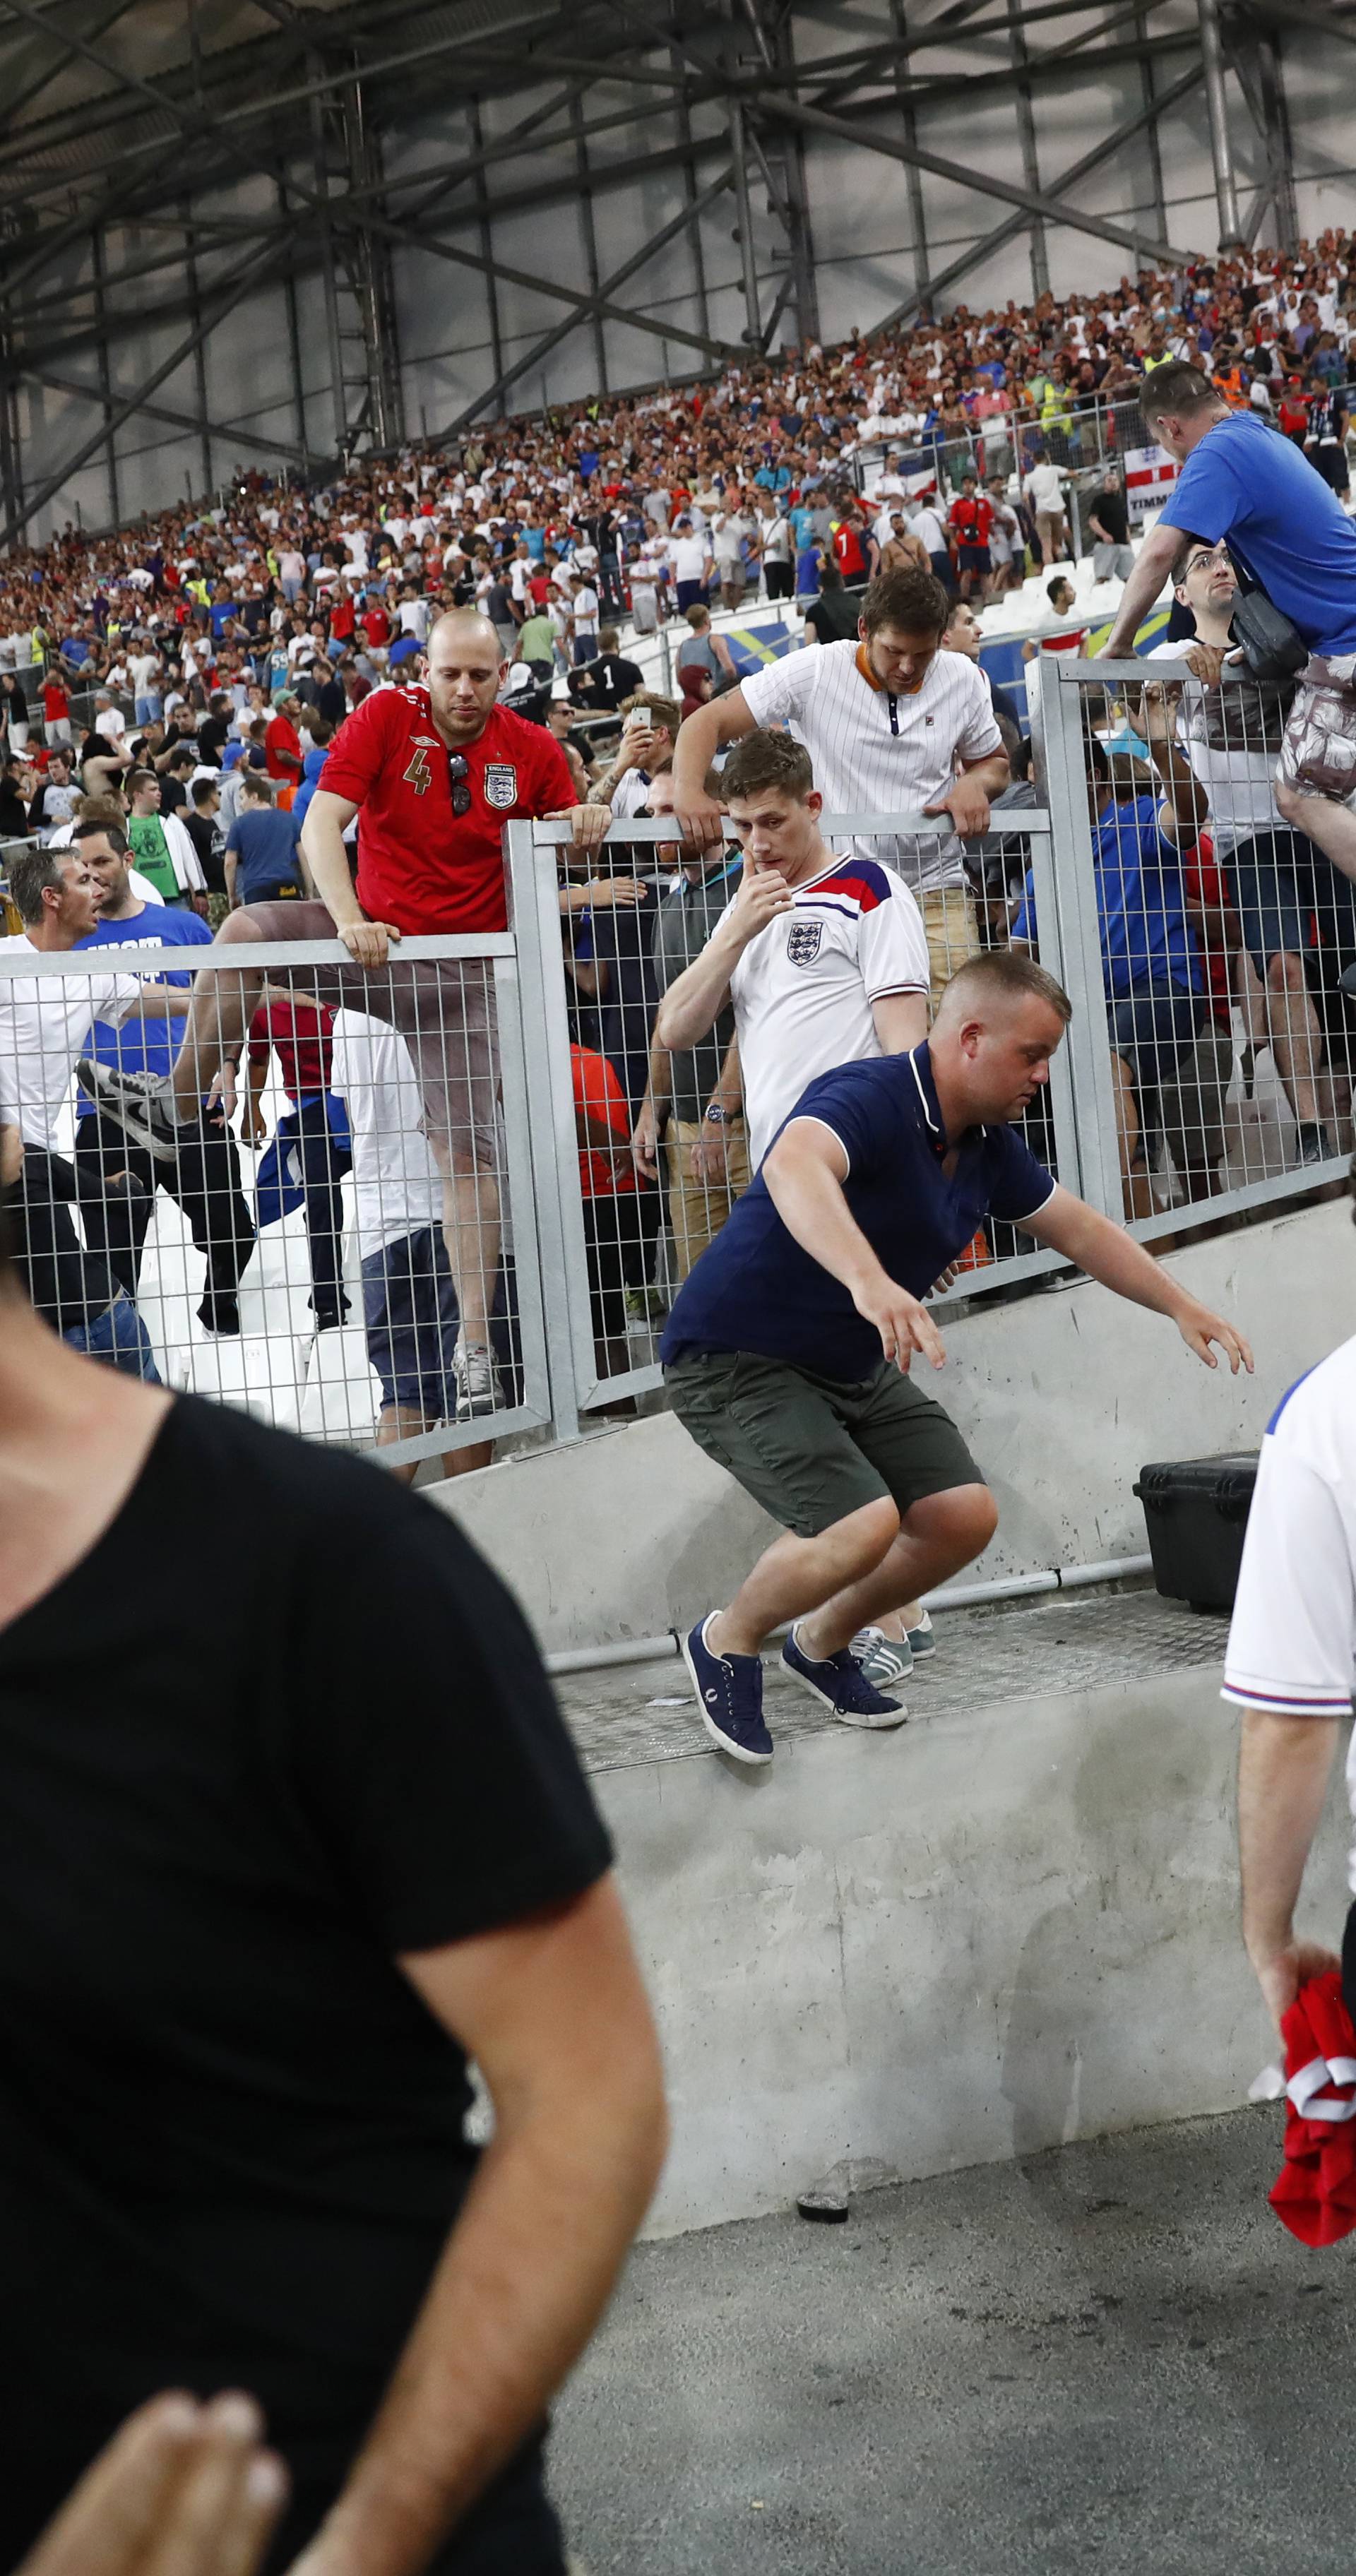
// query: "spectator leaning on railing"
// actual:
[[1242, 482]]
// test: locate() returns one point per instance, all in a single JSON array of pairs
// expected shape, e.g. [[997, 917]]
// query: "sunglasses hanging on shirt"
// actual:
[[459, 780]]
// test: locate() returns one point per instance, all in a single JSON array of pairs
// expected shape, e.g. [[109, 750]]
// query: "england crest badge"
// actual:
[[501, 784], [802, 939]]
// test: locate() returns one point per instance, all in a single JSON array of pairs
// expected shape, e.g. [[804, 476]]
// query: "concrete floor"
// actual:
[[1109, 2357]]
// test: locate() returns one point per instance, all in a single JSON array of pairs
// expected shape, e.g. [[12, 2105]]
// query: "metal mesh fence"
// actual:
[[1217, 937], [271, 1178], [656, 1174], [419, 1208]]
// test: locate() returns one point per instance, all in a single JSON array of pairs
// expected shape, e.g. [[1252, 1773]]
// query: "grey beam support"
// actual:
[[981, 250], [171, 419], [1152, 145], [302, 449], [585, 180], [753, 329], [23, 98], [1217, 110], [689, 173], [199, 361], [984, 184], [913, 177], [486, 247], [231, 291], [1026, 134], [1280, 150], [329, 275], [96, 250], [542, 348], [804, 284]]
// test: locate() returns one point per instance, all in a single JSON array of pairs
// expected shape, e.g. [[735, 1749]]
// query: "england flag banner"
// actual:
[[1149, 477]]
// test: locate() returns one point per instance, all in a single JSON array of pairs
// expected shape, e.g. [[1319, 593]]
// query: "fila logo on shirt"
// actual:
[[501, 784], [802, 941]]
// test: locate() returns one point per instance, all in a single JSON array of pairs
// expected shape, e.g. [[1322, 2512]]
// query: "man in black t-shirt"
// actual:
[[276, 1857], [1113, 556], [599, 687]]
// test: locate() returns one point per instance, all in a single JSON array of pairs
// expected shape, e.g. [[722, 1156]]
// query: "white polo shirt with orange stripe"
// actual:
[[875, 752]]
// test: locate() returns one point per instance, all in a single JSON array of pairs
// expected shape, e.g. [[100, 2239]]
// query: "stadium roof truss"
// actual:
[[121, 117]]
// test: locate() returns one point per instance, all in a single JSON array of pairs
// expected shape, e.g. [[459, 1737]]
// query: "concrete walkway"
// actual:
[[1111, 2357]]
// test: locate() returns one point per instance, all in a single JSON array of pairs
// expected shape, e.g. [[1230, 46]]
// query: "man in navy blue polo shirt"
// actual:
[[787, 1352]]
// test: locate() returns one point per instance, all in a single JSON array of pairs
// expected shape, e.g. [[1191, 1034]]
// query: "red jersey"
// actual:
[[599, 1095], [376, 626], [420, 865], [299, 1033], [847, 546], [279, 736], [972, 518]]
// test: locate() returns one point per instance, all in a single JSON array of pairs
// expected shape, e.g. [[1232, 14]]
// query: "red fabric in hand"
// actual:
[[1315, 2191]]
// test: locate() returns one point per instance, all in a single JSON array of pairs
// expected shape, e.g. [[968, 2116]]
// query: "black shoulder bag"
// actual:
[[1273, 647]]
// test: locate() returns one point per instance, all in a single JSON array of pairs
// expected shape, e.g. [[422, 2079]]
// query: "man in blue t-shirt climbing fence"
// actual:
[[787, 1352], [1244, 482]]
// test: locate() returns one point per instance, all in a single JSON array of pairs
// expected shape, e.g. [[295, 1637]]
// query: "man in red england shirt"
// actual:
[[433, 774], [282, 742], [971, 519]]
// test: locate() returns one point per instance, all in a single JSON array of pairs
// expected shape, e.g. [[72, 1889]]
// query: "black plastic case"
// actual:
[[1197, 1511]]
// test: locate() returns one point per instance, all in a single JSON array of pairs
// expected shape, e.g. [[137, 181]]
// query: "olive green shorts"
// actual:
[[811, 1449]]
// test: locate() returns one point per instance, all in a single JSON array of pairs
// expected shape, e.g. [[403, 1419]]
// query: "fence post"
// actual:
[[1080, 936], [550, 1107]]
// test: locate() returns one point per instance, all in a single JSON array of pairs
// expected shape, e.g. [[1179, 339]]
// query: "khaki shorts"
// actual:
[[952, 930], [443, 1010], [810, 1449], [1318, 754], [698, 1209]]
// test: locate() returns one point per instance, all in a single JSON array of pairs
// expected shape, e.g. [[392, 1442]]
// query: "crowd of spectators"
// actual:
[[560, 526], [192, 674]]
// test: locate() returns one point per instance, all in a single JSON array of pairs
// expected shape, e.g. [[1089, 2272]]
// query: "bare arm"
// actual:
[[652, 1114], [554, 2012], [1152, 566], [1283, 1767], [901, 1021], [1109, 1254], [700, 737], [804, 1173], [695, 1000], [325, 857], [968, 797]]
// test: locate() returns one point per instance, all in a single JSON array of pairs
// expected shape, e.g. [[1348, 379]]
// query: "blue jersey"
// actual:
[[757, 1289], [148, 1046], [1147, 941], [1249, 484], [263, 841]]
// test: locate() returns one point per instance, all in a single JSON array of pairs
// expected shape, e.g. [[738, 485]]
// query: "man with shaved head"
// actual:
[[432, 773]]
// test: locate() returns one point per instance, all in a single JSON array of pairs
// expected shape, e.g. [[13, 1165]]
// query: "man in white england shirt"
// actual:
[[1291, 1666], [890, 722]]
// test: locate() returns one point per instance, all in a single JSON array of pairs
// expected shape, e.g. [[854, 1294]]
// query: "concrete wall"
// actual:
[[1062, 1397], [970, 1940]]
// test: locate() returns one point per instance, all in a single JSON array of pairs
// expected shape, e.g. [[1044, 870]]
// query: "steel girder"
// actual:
[[345, 219]]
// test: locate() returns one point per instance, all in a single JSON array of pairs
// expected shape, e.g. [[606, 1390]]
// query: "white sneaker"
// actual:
[[479, 1389], [881, 1660]]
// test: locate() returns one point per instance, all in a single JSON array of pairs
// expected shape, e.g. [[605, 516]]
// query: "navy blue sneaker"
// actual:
[[841, 1684], [729, 1692]]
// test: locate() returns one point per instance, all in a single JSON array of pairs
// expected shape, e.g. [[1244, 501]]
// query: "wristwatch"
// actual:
[[719, 1117]]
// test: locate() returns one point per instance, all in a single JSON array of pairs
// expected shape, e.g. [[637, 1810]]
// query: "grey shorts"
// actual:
[[811, 1449], [1318, 754], [444, 1010]]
